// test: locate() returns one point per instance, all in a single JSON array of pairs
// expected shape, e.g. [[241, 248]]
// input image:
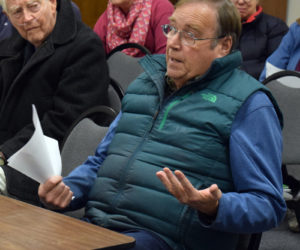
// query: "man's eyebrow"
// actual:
[[13, 8], [193, 27], [33, 1]]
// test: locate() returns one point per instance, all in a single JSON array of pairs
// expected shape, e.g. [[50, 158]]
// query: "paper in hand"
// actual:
[[39, 158]]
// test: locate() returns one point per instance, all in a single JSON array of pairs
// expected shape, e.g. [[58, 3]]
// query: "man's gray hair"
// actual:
[[228, 18], [3, 4]]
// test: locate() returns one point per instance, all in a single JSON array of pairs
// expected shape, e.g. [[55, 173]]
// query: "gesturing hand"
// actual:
[[205, 201]]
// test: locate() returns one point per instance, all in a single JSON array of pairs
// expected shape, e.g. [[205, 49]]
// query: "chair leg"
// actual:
[[254, 241], [297, 211], [289, 180]]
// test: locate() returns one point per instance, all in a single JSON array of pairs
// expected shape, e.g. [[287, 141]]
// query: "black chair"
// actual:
[[249, 241], [115, 95], [285, 87], [123, 46], [123, 69], [84, 135], [82, 140]]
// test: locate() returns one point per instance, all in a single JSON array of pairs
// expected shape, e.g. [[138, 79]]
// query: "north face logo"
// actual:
[[209, 97]]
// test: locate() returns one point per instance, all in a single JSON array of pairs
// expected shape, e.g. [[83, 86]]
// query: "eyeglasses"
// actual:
[[32, 10], [187, 38], [246, 1]]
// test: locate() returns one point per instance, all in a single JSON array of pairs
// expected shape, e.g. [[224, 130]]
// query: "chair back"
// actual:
[[84, 137], [285, 87], [114, 96], [123, 69]]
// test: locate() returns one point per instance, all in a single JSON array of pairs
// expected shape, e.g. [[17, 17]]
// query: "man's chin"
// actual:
[[173, 75], [36, 42]]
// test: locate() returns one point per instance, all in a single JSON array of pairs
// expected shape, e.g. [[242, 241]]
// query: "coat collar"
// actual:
[[253, 17]]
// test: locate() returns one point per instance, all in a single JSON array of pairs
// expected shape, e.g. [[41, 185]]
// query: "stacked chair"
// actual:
[[285, 86]]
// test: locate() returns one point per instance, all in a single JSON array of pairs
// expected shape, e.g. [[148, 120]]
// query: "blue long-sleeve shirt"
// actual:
[[287, 55], [255, 160]]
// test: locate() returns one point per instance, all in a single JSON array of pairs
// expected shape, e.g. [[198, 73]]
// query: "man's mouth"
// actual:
[[173, 59], [31, 28]]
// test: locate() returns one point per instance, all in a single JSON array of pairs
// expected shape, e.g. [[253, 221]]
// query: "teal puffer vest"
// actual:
[[189, 131]]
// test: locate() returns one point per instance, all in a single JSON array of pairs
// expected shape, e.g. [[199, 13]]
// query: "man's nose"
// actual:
[[27, 16], [175, 40]]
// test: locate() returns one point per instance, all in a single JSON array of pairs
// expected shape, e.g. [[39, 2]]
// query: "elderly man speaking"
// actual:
[[194, 158], [51, 60]]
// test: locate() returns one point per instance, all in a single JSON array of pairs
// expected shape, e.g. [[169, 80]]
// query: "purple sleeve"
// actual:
[[161, 11]]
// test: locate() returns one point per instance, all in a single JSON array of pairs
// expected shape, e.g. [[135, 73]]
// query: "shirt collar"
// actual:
[[253, 16]]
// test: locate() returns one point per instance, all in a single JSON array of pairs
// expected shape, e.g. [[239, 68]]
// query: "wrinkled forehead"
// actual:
[[12, 4], [197, 15]]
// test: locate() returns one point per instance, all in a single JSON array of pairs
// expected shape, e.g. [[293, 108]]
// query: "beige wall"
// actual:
[[293, 11]]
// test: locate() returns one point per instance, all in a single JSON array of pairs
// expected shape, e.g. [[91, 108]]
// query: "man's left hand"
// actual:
[[205, 201]]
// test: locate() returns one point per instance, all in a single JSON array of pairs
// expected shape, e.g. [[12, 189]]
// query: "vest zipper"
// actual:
[[132, 158], [170, 106]]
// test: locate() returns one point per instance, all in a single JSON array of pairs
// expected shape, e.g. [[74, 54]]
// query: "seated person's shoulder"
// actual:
[[162, 6], [295, 28], [272, 22]]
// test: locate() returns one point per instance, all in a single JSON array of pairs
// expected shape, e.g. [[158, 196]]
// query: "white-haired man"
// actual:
[[51, 60], [194, 158]]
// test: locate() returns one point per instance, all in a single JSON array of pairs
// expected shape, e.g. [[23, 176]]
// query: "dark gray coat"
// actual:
[[65, 76]]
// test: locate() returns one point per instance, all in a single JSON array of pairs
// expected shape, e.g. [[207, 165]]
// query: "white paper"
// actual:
[[39, 158]]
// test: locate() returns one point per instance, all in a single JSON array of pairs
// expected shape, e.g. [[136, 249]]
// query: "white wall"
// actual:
[[293, 11]]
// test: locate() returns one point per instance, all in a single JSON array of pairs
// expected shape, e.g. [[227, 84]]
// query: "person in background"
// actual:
[[5, 25], [287, 55], [134, 21], [194, 158], [261, 35], [51, 60]]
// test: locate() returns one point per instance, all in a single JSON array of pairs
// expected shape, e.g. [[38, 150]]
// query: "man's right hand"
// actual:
[[54, 194]]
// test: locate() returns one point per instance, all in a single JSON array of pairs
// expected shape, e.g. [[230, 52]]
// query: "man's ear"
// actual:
[[225, 45]]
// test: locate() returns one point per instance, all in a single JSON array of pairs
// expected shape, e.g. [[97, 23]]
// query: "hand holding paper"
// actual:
[[39, 158]]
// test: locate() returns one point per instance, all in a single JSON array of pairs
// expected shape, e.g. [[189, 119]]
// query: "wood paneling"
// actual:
[[91, 10], [276, 8]]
